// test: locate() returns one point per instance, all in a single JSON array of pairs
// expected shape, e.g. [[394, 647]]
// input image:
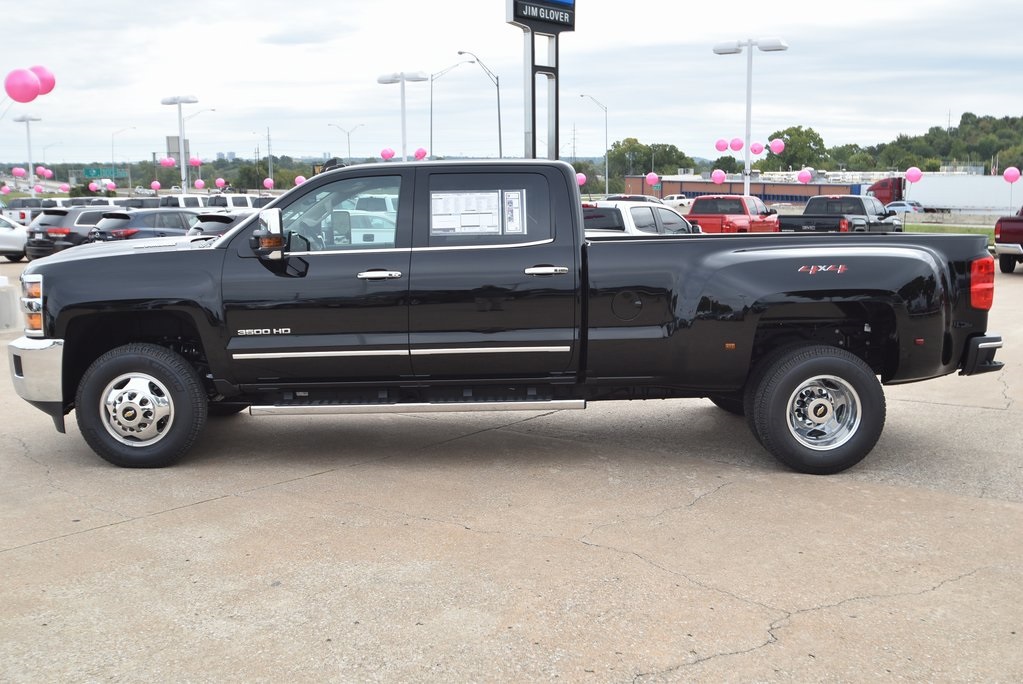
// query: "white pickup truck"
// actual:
[[22, 209], [617, 218], [679, 202]]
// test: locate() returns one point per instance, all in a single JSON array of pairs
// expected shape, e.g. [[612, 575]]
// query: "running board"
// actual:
[[443, 407]]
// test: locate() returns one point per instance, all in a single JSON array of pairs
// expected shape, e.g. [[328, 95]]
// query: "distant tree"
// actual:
[[803, 147], [728, 164]]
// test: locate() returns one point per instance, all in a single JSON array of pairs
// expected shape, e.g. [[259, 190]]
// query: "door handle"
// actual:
[[547, 270], [378, 274]]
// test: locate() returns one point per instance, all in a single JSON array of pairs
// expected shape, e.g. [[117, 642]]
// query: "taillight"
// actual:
[[843, 225], [58, 231], [982, 283], [123, 233], [998, 230]]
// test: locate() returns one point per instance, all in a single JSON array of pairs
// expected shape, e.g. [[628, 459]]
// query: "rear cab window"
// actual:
[[485, 209]]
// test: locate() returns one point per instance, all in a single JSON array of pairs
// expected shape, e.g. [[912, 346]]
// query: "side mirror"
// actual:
[[771, 212], [267, 240]]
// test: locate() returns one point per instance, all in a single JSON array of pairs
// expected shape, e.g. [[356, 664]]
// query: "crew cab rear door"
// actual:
[[494, 289], [335, 308]]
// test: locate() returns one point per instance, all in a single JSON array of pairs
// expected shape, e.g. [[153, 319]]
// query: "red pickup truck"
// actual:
[[733, 214], [1009, 241]]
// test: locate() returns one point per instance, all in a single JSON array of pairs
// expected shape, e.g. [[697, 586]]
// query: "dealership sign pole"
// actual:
[[546, 18]]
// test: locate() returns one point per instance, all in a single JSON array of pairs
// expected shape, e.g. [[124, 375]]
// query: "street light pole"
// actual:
[[27, 120], [113, 159], [188, 171], [497, 83], [182, 162], [46, 147], [348, 134], [734, 48], [401, 77], [434, 77], [605, 139]]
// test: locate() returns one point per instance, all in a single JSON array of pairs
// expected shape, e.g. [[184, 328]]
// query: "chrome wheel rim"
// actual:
[[824, 412], [137, 409]]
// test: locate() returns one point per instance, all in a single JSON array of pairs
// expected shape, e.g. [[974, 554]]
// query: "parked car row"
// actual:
[[57, 229], [24, 209]]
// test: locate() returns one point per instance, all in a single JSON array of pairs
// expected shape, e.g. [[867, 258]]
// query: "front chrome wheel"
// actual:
[[138, 409], [140, 405]]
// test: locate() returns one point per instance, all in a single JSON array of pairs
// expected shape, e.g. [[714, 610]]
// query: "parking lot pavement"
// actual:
[[645, 541]]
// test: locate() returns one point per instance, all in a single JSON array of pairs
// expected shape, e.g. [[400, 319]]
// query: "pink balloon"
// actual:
[[5, 190], [111, 186], [913, 174], [386, 153], [18, 172], [46, 79], [736, 144], [299, 180], [718, 176], [777, 145], [420, 153], [721, 145], [756, 148], [199, 184], [40, 170], [804, 176], [22, 85], [220, 182], [155, 185], [93, 187], [38, 188], [1011, 174], [580, 178], [652, 178], [268, 183], [64, 187], [195, 161], [47, 174]]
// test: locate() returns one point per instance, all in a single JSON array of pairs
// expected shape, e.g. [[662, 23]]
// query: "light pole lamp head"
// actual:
[[772, 45], [179, 99], [733, 47]]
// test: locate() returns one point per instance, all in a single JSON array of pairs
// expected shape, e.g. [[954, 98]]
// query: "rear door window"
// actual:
[[643, 217]]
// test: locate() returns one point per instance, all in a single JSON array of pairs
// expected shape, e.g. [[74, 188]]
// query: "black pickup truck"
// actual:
[[842, 214], [467, 286]]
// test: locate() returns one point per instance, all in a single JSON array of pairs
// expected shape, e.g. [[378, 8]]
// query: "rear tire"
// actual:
[[140, 406], [14, 257], [817, 409], [1006, 263]]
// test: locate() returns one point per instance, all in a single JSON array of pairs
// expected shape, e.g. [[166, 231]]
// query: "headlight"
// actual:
[[32, 304]]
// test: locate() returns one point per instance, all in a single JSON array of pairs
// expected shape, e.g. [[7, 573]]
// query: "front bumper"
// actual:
[[36, 366], [980, 355]]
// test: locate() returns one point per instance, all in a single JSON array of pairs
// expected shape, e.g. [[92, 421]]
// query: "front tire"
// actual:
[[14, 257], [817, 409], [1006, 263], [140, 406]]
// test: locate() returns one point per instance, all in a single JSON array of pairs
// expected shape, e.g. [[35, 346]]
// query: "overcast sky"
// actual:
[[859, 72]]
